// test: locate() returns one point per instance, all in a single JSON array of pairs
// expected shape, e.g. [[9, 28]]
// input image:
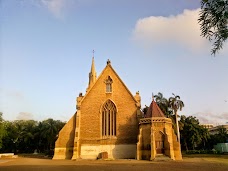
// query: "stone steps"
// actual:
[[161, 157]]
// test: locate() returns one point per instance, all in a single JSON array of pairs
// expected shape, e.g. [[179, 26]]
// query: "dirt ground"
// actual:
[[188, 164]]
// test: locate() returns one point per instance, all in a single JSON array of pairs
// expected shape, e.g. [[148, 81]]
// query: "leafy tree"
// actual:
[[213, 21], [144, 110], [193, 134], [27, 136], [10, 141], [38, 136], [176, 104], [222, 135], [50, 130], [205, 137], [2, 129], [20, 136]]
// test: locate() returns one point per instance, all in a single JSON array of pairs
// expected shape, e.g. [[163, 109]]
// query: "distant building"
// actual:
[[208, 126], [214, 130]]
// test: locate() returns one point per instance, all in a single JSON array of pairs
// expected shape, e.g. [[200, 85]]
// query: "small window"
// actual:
[[108, 88], [108, 83]]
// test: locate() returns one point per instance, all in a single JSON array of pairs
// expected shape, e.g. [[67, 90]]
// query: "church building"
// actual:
[[108, 120]]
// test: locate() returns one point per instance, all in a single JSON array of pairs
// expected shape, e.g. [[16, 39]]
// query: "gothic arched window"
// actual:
[[109, 119], [108, 83]]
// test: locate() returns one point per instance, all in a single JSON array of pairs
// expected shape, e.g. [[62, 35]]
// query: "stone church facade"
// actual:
[[108, 119]]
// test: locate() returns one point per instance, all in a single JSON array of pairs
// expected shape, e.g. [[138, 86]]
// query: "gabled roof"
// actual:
[[154, 111], [109, 66]]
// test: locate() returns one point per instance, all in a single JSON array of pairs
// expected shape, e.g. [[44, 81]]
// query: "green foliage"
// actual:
[[202, 152], [50, 129], [25, 136], [145, 109], [213, 20], [220, 137], [193, 134], [2, 129], [194, 137], [175, 103], [163, 103], [169, 106]]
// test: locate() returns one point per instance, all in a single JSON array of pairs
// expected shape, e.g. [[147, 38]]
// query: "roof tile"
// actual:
[[154, 111]]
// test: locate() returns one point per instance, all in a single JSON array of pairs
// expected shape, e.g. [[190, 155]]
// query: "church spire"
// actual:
[[92, 74]]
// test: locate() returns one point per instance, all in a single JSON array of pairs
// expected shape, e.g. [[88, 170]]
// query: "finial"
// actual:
[[93, 53], [152, 96], [108, 62]]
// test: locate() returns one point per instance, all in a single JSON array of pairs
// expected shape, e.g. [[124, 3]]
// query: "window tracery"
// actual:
[[109, 119], [108, 83]]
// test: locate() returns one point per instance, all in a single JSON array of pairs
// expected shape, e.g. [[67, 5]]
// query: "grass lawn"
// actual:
[[190, 162], [218, 158]]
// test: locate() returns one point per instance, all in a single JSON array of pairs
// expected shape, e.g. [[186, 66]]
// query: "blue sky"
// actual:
[[155, 46]]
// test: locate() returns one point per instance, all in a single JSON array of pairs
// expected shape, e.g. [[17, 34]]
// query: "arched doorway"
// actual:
[[159, 142]]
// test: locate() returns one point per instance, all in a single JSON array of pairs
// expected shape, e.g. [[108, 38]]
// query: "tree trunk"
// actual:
[[186, 146], [178, 132]]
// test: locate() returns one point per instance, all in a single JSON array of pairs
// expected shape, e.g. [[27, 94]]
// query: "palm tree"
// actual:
[[50, 129], [28, 134], [49, 132], [163, 103], [176, 104], [204, 136]]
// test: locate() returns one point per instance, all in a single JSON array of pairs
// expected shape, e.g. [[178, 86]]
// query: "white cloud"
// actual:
[[182, 30], [56, 7], [212, 118], [25, 116], [13, 94]]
